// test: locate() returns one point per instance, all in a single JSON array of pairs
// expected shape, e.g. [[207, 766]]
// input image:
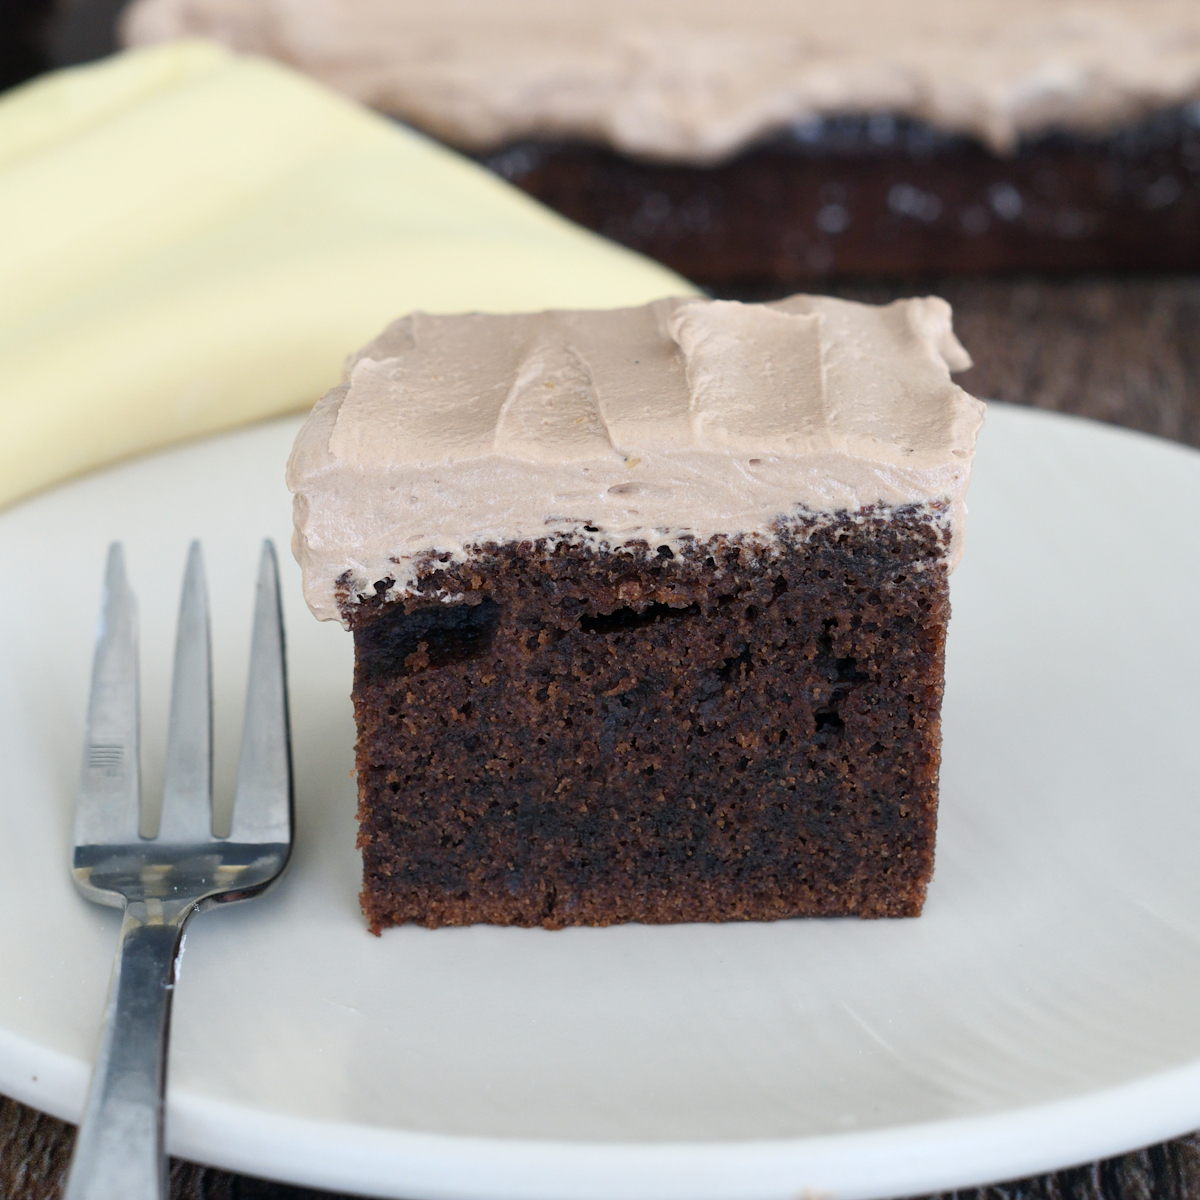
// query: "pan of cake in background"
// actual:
[[771, 142]]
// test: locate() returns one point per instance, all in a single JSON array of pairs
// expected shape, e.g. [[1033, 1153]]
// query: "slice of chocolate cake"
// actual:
[[649, 606]]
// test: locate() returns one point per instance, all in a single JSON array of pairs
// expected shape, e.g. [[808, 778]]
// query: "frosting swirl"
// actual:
[[684, 418]]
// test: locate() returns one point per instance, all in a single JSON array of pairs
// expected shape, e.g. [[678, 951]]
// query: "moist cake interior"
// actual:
[[734, 732]]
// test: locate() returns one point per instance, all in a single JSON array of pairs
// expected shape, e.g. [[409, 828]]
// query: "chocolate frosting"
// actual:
[[698, 80], [685, 418]]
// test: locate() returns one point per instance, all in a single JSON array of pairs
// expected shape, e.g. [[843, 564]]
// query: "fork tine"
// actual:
[[110, 778], [187, 782], [262, 810]]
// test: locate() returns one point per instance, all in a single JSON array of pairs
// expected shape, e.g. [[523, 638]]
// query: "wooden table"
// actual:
[[1125, 351]]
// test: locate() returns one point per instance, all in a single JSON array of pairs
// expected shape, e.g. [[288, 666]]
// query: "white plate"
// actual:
[[1044, 1010]]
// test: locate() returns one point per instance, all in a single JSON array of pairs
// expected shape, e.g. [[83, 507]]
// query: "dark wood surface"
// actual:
[[1126, 351]]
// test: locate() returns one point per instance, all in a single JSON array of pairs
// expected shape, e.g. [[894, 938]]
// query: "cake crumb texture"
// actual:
[[739, 731]]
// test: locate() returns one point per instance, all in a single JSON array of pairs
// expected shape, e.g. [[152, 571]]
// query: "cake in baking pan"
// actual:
[[649, 606], [783, 140]]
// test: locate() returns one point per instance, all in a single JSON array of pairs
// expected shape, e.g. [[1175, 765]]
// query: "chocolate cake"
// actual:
[[781, 141], [880, 196], [649, 606]]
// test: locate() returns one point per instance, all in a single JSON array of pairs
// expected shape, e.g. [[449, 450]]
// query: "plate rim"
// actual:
[[922, 1158]]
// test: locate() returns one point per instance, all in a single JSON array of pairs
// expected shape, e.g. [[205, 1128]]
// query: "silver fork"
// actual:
[[160, 882]]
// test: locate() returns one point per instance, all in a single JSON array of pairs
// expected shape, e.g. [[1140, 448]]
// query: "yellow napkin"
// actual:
[[190, 240]]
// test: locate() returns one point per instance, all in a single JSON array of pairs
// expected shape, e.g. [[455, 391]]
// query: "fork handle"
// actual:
[[119, 1152]]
